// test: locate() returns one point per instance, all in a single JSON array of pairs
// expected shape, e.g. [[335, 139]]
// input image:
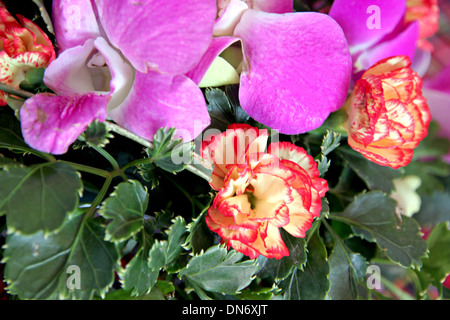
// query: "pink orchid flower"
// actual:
[[124, 61], [375, 30], [296, 67]]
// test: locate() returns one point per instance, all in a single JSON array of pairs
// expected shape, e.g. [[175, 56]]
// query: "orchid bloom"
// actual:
[[260, 192], [375, 30], [295, 67], [124, 61], [23, 46]]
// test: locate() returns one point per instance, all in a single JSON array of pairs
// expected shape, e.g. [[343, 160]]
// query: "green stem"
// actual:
[[15, 91], [88, 169], [112, 161], [313, 229], [99, 198], [123, 132], [137, 162]]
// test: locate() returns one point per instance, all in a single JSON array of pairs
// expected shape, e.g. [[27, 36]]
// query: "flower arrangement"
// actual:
[[224, 150]]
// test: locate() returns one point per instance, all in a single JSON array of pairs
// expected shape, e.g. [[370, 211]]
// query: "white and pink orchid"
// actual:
[[140, 64], [295, 66], [124, 61]]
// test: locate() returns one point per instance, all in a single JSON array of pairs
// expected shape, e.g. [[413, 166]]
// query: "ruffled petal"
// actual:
[[165, 36], [52, 123], [157, 101], [298, 155], [299, 224], [306, 56], [74, 22], [355, 17], [230, 148]]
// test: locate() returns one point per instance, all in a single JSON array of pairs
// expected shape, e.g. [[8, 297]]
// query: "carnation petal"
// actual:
[[164, 36], [51, 123], [298, 225], [288, 151], [158, 101], [273, 243], [305, 93]]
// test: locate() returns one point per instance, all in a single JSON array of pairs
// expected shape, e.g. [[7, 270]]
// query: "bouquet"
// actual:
[[224, 150]]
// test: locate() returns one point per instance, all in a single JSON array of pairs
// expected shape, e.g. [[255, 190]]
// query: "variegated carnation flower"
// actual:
[[261, 191], [387, 114], [23, 46]]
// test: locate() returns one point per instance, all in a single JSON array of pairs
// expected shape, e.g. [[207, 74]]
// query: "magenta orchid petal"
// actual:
[[404, 43], [296, 71], [119, 71], [228, 16], [52, 123], [273, 6], [440, 82], [354, 16], [170, 101], [74, 22], [68, 74], [165, 36], [216, 47], [92, 67]]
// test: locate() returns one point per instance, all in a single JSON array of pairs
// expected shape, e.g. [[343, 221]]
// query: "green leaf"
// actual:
[[224, 108], [432, 145], [163, 253], [169, 153], [280, 269], [347, 270], [312, 282], [372, 217], [437, 264], [217, 270], [125, 207], [330, 141], [97, 134], [121, 294], [138, 278], [434, 209], [375, 176], [37, 266], [199, 236], [51, 191]]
